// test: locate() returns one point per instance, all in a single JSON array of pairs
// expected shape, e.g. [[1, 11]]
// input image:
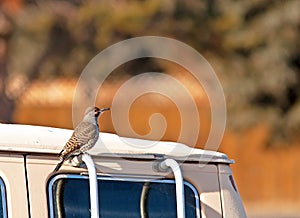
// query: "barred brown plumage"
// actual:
[[84, 136]]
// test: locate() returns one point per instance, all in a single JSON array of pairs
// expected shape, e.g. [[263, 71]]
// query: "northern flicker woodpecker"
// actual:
[[84, 136]]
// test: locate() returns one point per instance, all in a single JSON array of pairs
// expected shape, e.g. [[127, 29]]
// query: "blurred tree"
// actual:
[[253, 45], [6, 103], [261, 41]]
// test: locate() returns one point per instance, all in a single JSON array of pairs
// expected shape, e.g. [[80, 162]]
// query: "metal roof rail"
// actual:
[[94, 199], [180, 202]]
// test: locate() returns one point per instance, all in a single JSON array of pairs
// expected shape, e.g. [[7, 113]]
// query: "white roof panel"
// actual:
[[38, 139]]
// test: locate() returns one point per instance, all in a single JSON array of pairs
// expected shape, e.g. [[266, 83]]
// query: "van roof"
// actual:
[[38, 139]]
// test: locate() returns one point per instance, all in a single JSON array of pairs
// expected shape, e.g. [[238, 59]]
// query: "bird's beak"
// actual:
[[104, 109]]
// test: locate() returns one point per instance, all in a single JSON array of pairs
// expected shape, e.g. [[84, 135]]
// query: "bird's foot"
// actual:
[[76, 161]]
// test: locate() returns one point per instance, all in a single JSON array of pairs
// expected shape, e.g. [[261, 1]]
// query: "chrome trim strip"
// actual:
[[112, 177]]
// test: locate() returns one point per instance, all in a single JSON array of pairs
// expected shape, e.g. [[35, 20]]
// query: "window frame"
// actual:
[[126, 178], [3, 196]]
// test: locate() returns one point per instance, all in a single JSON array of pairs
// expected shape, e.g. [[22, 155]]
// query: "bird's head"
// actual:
[[98, 111], [92, 113]]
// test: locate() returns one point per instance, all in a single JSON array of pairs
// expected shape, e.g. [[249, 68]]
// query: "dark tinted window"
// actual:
[[119, 198], [3, 212]]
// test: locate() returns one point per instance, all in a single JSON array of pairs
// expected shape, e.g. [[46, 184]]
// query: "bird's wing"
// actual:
[[82, 134]]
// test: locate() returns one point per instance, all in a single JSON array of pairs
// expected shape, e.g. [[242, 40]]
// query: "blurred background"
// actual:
[[253, 46]]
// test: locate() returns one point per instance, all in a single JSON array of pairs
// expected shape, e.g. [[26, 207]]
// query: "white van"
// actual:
[[130, 177]]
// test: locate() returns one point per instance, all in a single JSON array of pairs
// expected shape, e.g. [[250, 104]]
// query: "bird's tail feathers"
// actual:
[[60, 153], [58, 166], [62, 160]]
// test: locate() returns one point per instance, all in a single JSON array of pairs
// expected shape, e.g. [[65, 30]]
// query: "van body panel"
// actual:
[[231, 201], [38, 170], [27, 163], [205, 179], [40, 167], [12, 171]]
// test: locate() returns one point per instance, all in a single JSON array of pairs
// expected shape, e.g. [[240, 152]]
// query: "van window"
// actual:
[[119, 197], [3, 212]]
